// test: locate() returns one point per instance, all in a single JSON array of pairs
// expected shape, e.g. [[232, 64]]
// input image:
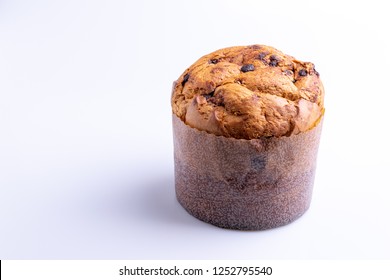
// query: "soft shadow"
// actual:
[[159, 203], [152, 201]]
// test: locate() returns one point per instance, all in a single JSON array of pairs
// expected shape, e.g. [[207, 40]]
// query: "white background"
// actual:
[[86, 155]]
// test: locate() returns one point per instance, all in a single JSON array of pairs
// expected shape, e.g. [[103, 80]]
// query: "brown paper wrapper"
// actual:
[[244, 184]]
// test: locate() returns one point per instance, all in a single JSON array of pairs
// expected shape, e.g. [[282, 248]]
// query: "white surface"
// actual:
[[86, 159]]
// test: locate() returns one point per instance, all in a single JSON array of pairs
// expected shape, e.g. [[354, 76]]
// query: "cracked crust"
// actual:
[[249, 92]]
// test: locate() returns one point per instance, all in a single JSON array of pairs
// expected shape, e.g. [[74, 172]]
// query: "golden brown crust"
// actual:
[[249, 92]]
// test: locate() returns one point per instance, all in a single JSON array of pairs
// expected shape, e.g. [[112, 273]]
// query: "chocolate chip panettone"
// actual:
[[247, 123], [249, 92]]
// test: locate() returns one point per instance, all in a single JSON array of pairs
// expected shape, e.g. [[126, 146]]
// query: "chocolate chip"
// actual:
[[213, 61], [217, 100], [258, 163], [209, 95], [185, 79], [255, 47], [247, 68], [315, 72], [262, 55], [314, 98], [302, 73], [273, 61]]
